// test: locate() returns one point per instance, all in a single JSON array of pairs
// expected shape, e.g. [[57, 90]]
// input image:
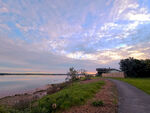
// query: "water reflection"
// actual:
[[12, 84]]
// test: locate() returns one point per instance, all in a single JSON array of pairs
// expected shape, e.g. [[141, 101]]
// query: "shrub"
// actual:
[[22, 104], [98, 103], [57, 87], [87, 77]]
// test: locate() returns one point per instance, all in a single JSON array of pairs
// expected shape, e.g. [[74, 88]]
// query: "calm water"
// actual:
[[14, 84]]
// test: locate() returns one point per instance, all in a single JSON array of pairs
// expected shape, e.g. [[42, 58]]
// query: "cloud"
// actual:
[[140, 51], [54, 35], [121, 7], [18, 57], [3, 10], [140, 14]]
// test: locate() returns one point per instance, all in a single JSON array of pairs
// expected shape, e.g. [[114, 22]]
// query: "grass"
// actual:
[[96, 77], [92, 77], [141, 83], [77, 94], [9, 110], [72, 95]]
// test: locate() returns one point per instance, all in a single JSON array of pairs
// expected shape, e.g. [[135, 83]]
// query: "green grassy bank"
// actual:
[[76, 94], [141, 83]]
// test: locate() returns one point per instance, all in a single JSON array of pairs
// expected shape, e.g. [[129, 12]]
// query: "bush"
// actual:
[[87, 77], [22, 104], [57, 87], [98, 103]]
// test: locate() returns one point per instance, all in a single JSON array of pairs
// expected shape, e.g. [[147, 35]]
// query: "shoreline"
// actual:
[[20, 84], [29, 91], [31, 95]]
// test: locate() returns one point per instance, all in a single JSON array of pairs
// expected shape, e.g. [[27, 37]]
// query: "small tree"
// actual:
[[84, 72], [72, 74]]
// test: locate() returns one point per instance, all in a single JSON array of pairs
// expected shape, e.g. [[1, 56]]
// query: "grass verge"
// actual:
[[141, 83], [77, 94], [72, 95]]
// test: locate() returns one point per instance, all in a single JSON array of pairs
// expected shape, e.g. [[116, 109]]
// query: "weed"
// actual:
[[98, 103]]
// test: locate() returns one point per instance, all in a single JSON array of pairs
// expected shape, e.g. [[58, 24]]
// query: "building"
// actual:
[[106, 70], [110, 72]]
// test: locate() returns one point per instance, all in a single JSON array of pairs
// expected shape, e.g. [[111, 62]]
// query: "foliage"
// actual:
[[76, 94], [84, 72], [3, 110], [57, 87], [71, 93], [9, 110], [98, 103], [72, 74], [88, 77], [135, 68], [141, 83], [95, 77], [22, 104]]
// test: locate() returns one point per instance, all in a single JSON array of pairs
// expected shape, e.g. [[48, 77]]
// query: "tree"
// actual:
[[135, 68], [72, 74], [86, 75], [83, 72], [147, 67]]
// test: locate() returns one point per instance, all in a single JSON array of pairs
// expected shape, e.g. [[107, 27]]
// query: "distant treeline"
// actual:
[[34, 74], [135, 68], [29, 74]]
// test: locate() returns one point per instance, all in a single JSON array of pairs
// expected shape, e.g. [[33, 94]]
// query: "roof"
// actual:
[[106, 69]]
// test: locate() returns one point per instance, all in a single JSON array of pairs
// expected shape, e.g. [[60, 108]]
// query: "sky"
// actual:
[[54, 35]]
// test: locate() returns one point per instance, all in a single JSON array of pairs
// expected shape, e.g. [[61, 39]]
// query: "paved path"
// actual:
[[131, 99]]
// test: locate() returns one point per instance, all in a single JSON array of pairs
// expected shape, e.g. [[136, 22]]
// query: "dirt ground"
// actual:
[[108, 94]]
